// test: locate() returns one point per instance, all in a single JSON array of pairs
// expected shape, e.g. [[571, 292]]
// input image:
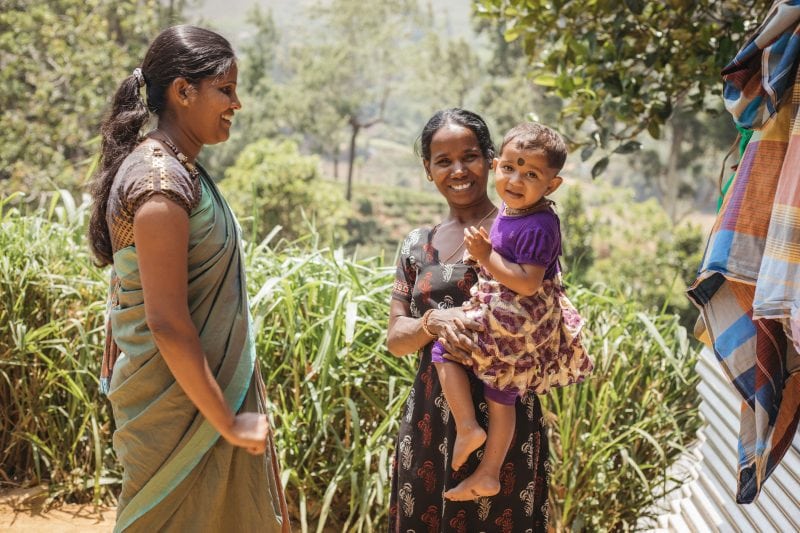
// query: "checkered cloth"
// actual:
[[763, 70], [748, 291]]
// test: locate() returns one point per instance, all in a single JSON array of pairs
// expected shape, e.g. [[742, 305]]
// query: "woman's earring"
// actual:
[[430, 178]]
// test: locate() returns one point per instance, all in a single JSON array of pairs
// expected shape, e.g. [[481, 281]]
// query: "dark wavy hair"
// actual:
[[178, 52], [462, 117], [535, 136]]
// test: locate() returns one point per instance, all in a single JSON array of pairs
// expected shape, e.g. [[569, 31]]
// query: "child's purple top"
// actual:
[[533, 239]]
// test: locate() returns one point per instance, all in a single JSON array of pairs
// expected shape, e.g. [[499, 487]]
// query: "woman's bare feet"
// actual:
[[474, 486], [467, 441]]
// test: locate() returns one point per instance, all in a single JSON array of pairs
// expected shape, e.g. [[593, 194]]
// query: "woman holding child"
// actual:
[[431, 284]]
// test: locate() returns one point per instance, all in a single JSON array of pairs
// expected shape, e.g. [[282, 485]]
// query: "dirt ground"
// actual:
[[22, 510]]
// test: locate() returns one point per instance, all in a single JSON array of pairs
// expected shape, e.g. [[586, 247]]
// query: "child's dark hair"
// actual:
[[462, 117], [535, 136]]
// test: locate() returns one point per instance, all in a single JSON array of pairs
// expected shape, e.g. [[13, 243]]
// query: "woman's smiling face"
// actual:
[[214, 105], [457, 166]]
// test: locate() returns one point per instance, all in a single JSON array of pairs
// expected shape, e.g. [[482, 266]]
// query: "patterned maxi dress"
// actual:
[[421, 468]]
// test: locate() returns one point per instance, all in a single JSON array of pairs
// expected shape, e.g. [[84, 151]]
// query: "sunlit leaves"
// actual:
[[622, 67], [61, 62]]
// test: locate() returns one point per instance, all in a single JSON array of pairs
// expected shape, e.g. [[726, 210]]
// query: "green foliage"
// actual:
[[632, 247], [508, 96], [615, 435], [394, 212], [53, 427], [453, 68], [578, 229], [273, 185], [264, 102], [321, 323], [628, 66], [335, 391], [61, 62], [676, 174]]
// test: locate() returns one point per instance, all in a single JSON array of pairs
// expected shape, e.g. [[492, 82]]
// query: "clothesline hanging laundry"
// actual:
[[748, 286]]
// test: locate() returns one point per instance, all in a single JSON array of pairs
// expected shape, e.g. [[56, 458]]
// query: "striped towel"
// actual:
[[747, 292], [778, 288], [763, 366], [763, 70]]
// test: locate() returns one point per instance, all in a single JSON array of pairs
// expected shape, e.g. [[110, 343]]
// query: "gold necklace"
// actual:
[[180, 156], [538, 206], [487, 215]]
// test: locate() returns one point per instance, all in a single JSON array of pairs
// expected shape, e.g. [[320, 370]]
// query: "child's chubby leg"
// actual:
[[455, 385], [485, 481]]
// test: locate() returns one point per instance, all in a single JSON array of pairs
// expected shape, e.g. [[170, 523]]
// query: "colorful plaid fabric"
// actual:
[[762, 71], [764, 368], [738, 237], [778, 289], [747, 289]]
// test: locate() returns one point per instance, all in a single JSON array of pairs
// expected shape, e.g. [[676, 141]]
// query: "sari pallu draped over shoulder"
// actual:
[[179, 474], [748, 286]]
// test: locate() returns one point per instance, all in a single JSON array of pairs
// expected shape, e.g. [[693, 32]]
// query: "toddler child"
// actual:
[[531, 336]]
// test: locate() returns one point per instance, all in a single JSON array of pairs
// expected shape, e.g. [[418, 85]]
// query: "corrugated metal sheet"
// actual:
[[705, 501]]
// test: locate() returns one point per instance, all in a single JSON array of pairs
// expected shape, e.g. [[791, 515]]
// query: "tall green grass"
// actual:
[[614, 436], [54, 425], [320, 321]]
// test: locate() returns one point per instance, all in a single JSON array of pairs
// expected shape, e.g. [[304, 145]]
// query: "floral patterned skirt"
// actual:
[[529, 343], [421, 469]]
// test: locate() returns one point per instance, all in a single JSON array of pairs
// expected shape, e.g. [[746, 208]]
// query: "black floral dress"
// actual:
[[421, 468]]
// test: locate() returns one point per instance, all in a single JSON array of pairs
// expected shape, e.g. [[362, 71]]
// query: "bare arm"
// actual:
[[406, 335], [523, 279], [163, 267]]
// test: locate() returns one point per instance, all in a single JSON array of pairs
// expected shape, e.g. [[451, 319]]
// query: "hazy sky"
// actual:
[[229, 16]]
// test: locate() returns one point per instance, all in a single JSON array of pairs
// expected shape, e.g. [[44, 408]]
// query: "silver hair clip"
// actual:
[[137, 73]]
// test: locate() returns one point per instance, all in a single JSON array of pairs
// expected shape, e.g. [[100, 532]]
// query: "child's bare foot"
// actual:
[[474, 486], [467, 441]]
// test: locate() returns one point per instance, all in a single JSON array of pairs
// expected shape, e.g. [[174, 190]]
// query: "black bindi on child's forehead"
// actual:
[[520, 161]]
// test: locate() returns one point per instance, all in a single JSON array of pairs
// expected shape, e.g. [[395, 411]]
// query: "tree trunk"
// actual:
[[336, 163], [669, 182], [671, 186], [355, 128]]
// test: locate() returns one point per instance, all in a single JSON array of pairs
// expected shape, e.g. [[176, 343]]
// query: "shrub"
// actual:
[[321, 323], [614, 436], [272, 184], [630, 246], [54, 424], [335, 392]]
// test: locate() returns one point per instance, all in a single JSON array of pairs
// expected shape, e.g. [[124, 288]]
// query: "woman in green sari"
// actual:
[[179, 367]]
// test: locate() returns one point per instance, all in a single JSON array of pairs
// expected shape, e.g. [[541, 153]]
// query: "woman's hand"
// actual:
[[454, 329], [249, 431]]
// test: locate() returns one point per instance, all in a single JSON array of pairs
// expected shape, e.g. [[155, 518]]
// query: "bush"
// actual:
[[614, 436], [272, 184], [54, 424], [335, 391], [630, 246]]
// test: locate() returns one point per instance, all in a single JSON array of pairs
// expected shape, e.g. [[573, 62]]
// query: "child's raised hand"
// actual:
[[477, 243]]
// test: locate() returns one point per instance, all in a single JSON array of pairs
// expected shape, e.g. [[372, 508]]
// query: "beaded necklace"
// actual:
[[538, 206], [182, 159]]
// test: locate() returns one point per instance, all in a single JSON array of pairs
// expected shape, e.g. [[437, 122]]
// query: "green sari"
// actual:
[[179, 475]]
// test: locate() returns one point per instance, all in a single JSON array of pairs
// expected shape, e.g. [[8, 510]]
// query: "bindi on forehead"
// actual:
[[521, 162]]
